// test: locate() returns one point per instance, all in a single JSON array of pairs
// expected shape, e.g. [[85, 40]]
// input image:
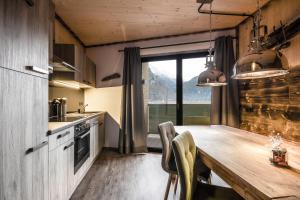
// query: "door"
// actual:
[[61, 171], [58, 173], [170, 91], [24, 125], [25, 32], [96, 139], [101, 136], [195, 100], [159, 90]]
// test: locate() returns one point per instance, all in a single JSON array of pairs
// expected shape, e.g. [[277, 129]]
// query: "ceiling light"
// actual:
[[64, 84], [260, 62], [211, 77]]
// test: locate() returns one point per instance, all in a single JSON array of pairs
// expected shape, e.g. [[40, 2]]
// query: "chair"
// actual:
[[185, 155], [167, 134]]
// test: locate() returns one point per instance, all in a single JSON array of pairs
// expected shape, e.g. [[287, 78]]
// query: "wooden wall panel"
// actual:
[[272, 105]]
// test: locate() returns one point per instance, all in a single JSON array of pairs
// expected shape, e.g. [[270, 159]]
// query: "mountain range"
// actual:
[[162, 89]]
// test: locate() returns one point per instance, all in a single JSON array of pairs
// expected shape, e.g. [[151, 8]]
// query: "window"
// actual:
[[170, 91]]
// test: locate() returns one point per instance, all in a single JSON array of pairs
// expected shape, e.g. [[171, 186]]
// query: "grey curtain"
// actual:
[[132, 137], [225, 100]]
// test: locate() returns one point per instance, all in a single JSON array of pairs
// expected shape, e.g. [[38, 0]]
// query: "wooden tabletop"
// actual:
[[241, 158]]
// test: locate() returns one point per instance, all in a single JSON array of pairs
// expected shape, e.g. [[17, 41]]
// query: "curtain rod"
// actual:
[[178, 44]]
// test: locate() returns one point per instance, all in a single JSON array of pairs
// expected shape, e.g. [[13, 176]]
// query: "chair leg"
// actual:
[[168, 186], [176, 183]]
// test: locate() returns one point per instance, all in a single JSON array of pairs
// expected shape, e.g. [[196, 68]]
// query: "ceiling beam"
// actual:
[[58, 18], [160, 37]]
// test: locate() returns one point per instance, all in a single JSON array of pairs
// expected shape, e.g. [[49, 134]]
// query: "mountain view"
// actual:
[[162, 89]]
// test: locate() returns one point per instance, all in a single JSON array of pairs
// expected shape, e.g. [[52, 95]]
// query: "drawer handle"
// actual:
[[63, 135], [37, 69], [101, 123], [71, 144], [32, 149]]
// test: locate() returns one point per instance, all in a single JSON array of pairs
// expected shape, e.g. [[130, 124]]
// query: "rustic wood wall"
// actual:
[[272, 105]]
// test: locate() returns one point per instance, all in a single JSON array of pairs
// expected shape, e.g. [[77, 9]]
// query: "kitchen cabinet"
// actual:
[[101, 135], [97, 136], [89, 73], [23, 138], [94, 139], [25, 40], [61, 171], [68, 62]]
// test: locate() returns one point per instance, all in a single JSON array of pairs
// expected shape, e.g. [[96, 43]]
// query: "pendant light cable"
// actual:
[[210, 32]]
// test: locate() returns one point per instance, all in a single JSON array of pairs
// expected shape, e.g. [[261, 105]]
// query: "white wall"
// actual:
[[109, 60], [106, 99]]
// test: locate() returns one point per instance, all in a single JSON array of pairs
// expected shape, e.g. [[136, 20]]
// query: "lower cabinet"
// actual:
[[101, 135], [24, 143], [61, 171]]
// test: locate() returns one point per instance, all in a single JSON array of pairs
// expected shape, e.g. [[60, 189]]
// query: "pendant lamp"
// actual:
[[211, 77], [260, 62]]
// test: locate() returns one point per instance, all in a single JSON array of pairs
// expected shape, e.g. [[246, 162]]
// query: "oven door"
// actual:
[[81, 149]]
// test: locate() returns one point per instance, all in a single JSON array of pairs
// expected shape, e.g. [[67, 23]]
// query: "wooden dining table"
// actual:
[[241, 158]]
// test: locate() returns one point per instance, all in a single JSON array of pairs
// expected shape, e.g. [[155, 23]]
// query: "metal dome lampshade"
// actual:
[[260, 62], [211, 77]]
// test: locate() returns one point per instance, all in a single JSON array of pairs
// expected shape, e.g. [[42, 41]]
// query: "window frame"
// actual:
[[179, 82]]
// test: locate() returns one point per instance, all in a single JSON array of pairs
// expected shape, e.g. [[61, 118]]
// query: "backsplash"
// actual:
[[74, 97]]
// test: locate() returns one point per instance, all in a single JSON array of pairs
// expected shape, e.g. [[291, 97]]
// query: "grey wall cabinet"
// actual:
[[24, 144], [25, 36], [89, 73]]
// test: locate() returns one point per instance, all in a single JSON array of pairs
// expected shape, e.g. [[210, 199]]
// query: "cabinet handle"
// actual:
[[63, 135], [37, 69], [71, 144], [32, 149], [67, 65]]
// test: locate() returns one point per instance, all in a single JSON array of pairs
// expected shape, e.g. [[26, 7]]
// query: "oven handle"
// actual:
[[82, 136]]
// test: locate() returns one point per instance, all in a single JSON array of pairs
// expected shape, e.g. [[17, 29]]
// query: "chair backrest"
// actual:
[[167, 134], [185, 155]]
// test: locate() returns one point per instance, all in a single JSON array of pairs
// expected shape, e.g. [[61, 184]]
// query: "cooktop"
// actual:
[[65, 119]]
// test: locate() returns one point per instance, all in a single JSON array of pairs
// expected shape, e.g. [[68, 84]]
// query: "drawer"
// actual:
[[94, 120], [61, 137]]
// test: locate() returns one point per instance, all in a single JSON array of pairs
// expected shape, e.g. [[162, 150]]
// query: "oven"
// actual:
[[82, 144]]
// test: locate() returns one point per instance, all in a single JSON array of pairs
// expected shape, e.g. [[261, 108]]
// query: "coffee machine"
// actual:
[[57, 107]]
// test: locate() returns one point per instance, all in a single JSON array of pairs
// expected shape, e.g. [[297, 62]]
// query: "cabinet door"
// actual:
[[24, 124], [89, 76], [101, 136], [25, 36], [58, 173], [71, 174], [97, 139], [92, 141]]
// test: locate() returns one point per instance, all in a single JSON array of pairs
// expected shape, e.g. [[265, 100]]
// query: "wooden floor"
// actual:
[[121, 177]]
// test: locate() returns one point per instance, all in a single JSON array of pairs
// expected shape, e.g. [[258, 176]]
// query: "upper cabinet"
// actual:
[[66, 57], [89, 73], [25, 35]]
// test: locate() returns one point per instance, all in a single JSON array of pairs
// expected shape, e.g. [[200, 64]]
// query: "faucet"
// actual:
[[83, 107]]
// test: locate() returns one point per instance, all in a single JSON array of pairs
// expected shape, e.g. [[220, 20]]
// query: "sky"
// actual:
[[190, 68]]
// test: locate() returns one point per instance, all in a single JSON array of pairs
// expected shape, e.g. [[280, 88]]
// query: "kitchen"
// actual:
[[100, 98]]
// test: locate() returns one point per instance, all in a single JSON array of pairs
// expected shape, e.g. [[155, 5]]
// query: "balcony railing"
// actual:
[[193, 114]]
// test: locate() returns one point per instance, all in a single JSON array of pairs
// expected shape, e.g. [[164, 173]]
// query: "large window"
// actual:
[[170, 91]]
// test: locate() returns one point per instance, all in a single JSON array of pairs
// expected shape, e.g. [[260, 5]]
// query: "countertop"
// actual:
[[54, 127]]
